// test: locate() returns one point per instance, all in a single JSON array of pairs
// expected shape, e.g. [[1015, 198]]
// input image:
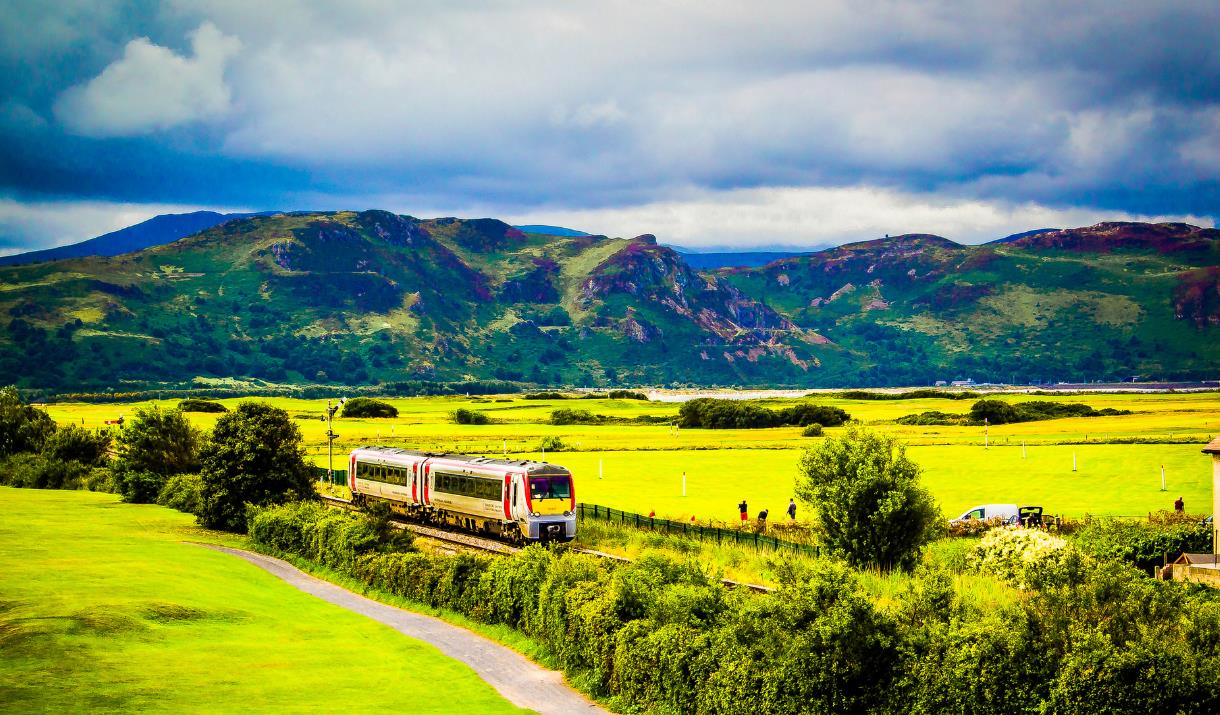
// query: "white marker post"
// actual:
[[1162, 477], [599, 469], [1073, 461], [1022, 449], [683, 483], [986, 434]]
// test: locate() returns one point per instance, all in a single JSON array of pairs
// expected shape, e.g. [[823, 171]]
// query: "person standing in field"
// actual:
[[745, 511], [762, 520], [792, 509], [1179, 506]]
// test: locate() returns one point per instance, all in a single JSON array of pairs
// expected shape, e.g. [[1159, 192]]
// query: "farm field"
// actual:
[[642, 465], [105, 607]]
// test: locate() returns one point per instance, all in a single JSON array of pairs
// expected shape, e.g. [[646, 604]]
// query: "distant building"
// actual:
[[962, 383], [940, 383]]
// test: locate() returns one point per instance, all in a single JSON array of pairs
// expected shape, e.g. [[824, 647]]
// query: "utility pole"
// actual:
[[330, 441]]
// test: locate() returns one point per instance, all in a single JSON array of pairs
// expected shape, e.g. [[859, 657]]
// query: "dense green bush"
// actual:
[[78, 444], [662, 635], [551, 443], [813, 430], [1143, 544], [31, 470], [193, 404], [627, 395], [463, 416], [545, 396], [368, 407], [997, 412], [23, 428], [712, 413], [152, 446], [254, 457], [183, 492], [565, 416], [933, 417], [867, 500], [908, 395]]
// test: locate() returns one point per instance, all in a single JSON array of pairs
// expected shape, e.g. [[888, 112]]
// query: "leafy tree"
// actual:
[[866, 496], [368, 407], [254, 457], [463, 416], [192, 404], [77, 444], [161, 442], [23, 428], [994, 411]]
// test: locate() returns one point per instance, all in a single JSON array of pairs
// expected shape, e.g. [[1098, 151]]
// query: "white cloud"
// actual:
[[31, 226], [150, 88], [806, 217]]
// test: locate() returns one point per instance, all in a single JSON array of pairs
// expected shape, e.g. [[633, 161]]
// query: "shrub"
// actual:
[[933, 417], [712, 413], [463, 416], [994, 411], [183, 492], [368, 407], [627, 395], [1143, 544], [159, 441], [866, 497], [813, 430], [39, 471], [575, 417], [1022, 557], [253, 457], [545, 396], [23, 428], [552, 444], [139, 487], [78, 444], [192, 404]]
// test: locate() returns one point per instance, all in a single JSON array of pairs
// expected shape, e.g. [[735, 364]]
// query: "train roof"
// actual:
[[526, 464]]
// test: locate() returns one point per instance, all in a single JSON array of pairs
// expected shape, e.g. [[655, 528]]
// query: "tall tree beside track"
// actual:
[[153, 446], [23, 428], [255, 457], [866, 495]]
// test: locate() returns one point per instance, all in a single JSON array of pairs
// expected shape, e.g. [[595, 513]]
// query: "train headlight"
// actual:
[[537, 514]]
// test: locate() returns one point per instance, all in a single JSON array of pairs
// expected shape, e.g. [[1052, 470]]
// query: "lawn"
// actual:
[[106, 607]]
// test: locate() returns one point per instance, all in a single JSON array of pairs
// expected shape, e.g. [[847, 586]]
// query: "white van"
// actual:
[[1010, 513]]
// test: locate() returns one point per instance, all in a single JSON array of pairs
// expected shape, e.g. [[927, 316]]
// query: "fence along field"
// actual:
[[1118, 458]]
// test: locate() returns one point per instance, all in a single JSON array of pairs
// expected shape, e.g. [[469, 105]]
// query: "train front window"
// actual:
[[557, 487]]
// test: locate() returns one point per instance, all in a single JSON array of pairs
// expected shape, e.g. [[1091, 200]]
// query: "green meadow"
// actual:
[[1118, 458], [108, 607]]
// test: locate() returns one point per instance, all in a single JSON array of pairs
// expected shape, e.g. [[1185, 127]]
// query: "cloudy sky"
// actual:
[[706, 123]]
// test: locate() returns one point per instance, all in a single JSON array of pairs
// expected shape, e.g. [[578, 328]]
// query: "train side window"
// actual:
[[513, 487]]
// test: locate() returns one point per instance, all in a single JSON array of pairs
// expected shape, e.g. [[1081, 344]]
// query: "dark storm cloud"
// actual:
[[520, 108]]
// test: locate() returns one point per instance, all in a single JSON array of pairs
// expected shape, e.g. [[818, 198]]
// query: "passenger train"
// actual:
[[520, 500]]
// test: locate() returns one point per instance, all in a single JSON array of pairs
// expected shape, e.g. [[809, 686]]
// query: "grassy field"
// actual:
[[642, 465], [104, 607]]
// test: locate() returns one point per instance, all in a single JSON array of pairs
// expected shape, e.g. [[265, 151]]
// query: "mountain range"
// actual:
[[356, 298]]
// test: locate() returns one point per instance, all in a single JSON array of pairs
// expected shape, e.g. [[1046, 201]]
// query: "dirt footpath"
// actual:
[[521, 681]]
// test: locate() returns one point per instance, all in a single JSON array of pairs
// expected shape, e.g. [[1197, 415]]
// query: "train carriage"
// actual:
[[516, 499]]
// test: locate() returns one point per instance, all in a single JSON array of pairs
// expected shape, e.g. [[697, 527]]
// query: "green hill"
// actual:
[[359, 298]]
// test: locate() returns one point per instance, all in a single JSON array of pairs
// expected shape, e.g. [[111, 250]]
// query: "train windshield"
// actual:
[[554, 487]]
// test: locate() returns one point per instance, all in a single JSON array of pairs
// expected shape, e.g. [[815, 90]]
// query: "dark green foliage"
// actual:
[[196, 405], [712, 413], [38, 471], [627, 395], [152, 446], [183, 492], [933, 417], [368, 407], [575, 417], [545, 396], [997, 412], [463, 416], [1143, 544], [160, 442], [813, 430], [866, 495], [254, 457], [23, 428], [551, 443], [78, 444], [332, 537]]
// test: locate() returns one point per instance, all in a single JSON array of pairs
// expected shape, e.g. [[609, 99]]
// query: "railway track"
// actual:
[[498, 547]]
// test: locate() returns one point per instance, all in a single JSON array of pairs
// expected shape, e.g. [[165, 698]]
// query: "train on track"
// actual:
[[518, 500]]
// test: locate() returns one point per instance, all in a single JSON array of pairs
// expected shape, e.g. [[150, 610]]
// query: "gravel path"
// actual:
[[521, 681]]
